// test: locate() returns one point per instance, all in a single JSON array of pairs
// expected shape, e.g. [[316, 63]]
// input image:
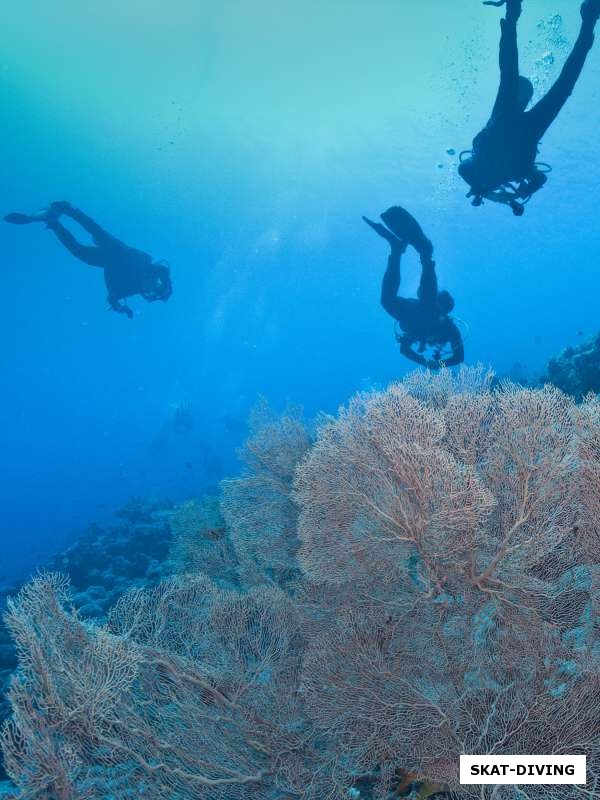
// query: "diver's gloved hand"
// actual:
[[120, 308], [395, 243]]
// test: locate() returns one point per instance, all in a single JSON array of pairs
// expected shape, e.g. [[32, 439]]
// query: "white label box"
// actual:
[[568, 770]]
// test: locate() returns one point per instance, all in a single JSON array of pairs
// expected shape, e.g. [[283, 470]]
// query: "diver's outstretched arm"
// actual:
[[543, 114], [119, 307], [89, 255], [409, 353], [508, 93]]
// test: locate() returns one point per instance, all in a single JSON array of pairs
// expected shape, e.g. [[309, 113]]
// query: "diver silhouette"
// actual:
[[502, 165], [127, 271], [424, 322]]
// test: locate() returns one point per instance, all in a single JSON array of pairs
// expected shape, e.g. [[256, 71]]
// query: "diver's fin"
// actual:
[[406, 227], [590, 10], [24, 219], [397, 245]]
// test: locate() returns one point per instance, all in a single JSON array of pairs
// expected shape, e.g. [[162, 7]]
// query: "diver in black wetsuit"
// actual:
[[127, 271], [424, 321], [502, 166]]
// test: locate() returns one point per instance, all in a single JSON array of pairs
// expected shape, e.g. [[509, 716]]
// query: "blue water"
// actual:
[[242, 141]]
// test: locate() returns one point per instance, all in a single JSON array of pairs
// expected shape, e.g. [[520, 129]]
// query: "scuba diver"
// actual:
[[424, 322], [127, 271], [502, 165]]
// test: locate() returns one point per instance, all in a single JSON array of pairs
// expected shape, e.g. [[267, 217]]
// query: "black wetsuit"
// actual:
[[506, 149], [420, 320], [127, 271]]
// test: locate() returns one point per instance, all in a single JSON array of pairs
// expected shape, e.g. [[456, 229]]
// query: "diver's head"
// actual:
[[445, 302], [158, 284], [525, 93]]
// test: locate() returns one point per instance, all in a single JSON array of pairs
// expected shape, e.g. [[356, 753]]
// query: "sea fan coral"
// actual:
[[258, 508], [474, 505], [201, 542], [448, 604], [187, 693]]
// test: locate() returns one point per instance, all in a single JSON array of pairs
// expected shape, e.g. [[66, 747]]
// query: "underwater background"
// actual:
[[242, 141]]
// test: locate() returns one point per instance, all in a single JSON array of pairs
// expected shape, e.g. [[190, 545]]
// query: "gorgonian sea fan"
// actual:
[[444, 601]]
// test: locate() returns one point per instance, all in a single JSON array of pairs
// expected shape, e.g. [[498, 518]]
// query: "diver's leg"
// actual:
[[508, 92], [428, 287], [98, 234], [390, 286], [89, 255], [543, 114]]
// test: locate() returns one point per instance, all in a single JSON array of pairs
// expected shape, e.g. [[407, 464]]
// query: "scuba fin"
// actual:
[[406, 227], [24, 219]]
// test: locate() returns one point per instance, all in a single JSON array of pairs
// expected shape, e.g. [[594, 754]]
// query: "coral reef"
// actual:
[[102, 565], [186, 692], [258, 507], [421, 580], [201, 543], [576, 371], [8, 663], [465, 523]]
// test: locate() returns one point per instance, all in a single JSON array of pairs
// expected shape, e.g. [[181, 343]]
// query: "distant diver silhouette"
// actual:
[[424, 322], [127, 271], [502, 165]]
